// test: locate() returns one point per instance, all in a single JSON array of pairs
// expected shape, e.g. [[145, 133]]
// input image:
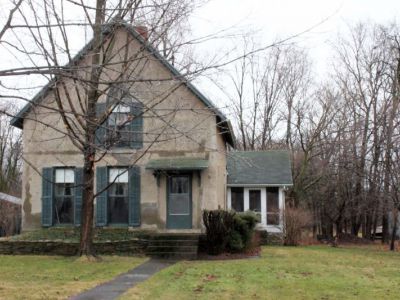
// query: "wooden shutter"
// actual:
[[101, 199], [101, 130], [47, 197], [78, 195], [134, 196], [136, 126]]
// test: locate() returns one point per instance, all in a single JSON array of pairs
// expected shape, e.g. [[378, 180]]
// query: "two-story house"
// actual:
[[164, 151]]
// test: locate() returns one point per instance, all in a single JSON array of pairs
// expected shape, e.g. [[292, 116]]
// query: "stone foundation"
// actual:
[[271, 238]]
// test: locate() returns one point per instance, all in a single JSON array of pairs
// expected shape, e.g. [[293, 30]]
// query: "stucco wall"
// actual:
[[186, 127]]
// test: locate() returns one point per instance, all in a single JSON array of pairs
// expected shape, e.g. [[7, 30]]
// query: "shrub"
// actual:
[[228, 231], [243, 230], [219, 224], [296, 220]]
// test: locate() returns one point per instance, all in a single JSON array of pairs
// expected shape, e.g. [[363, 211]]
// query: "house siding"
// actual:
[[45, 147]]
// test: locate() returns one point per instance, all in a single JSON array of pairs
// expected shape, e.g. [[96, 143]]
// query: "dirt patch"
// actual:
[[346, 238]]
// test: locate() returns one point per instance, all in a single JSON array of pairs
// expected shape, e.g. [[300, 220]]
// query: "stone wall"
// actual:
[[129, 247], [271, 238]]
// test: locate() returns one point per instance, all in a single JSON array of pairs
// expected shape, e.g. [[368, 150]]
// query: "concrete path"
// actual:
[[120, 284]]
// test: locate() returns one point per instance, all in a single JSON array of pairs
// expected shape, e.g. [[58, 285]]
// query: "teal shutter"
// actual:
[[134, 196], [101, 130], [136, 126], [101, 199], [78, 195], [47, 197]]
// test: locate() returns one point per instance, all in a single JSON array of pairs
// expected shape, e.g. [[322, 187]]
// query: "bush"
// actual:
[[296, 220], [219, 224], [228, 231], [243, 230]]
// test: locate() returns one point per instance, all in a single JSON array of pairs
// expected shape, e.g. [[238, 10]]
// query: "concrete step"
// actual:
[[174, 236], [173, 242], [174, 255], [166, 248]]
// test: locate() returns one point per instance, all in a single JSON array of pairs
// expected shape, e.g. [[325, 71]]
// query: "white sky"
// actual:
[[272, 19], [280, 18]]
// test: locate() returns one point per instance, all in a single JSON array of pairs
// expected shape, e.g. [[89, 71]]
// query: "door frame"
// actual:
[[178, 174]]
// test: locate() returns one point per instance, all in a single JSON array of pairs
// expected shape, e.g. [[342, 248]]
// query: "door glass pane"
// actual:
[[179, 185], [237, 199], [255, 200]]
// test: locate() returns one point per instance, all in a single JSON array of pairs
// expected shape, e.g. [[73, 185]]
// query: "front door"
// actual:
[[179, 202]]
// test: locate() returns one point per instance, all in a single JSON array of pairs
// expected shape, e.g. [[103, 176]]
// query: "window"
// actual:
[[63, 212], [118, 200], [118, 125], [237, 199], [124, 125], [273, 206]]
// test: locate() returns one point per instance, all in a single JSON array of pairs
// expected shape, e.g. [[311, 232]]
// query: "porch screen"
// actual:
[[272, 206], [237, 199]]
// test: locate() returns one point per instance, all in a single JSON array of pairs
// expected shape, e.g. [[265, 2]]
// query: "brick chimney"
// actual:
[[143, 31]]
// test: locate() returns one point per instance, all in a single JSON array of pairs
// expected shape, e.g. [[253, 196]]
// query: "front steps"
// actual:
[[173, 245]]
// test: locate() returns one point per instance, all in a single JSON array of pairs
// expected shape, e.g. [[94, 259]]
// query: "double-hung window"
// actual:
[[119, 133], [118, 199], [63, 211]]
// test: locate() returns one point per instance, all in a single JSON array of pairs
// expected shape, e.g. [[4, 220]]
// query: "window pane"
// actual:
[[63, 210], [118, 210], [237, 199], [118, 174], [255, 200], [118, 189], [65, 175], [179, 185]]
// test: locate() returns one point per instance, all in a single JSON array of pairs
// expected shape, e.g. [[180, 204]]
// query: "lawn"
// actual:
[[55, 277], [314, 272]]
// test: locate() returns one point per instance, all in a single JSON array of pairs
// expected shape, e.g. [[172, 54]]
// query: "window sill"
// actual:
[[124, 150]]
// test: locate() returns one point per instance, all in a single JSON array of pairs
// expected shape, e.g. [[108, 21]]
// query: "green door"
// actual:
[[179, 202]]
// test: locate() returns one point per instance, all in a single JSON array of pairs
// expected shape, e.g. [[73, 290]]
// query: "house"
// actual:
[[172, 159], [10, 215]]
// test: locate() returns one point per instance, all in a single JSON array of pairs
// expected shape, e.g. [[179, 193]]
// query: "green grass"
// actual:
[[314, 272], [55, 277], [71, 234]]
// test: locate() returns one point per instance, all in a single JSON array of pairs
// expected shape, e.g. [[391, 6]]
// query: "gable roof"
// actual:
[[259, 168], [222, 121]]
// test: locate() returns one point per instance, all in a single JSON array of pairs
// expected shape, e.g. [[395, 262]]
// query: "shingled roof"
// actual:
[[222, 121], [259, 168]]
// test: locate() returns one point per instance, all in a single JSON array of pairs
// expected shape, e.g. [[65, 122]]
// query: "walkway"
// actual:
[[120, 284]]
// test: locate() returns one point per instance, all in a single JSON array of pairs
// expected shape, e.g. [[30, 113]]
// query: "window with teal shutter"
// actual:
[[47, 197], [101, 199], [134, 196], [78, 195]]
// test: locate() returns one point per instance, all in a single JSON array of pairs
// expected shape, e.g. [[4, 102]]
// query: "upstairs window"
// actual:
[[124, 125], [63, 212]]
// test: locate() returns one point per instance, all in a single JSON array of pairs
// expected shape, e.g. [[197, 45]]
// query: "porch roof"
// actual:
[[184, 164], [269, 168]]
